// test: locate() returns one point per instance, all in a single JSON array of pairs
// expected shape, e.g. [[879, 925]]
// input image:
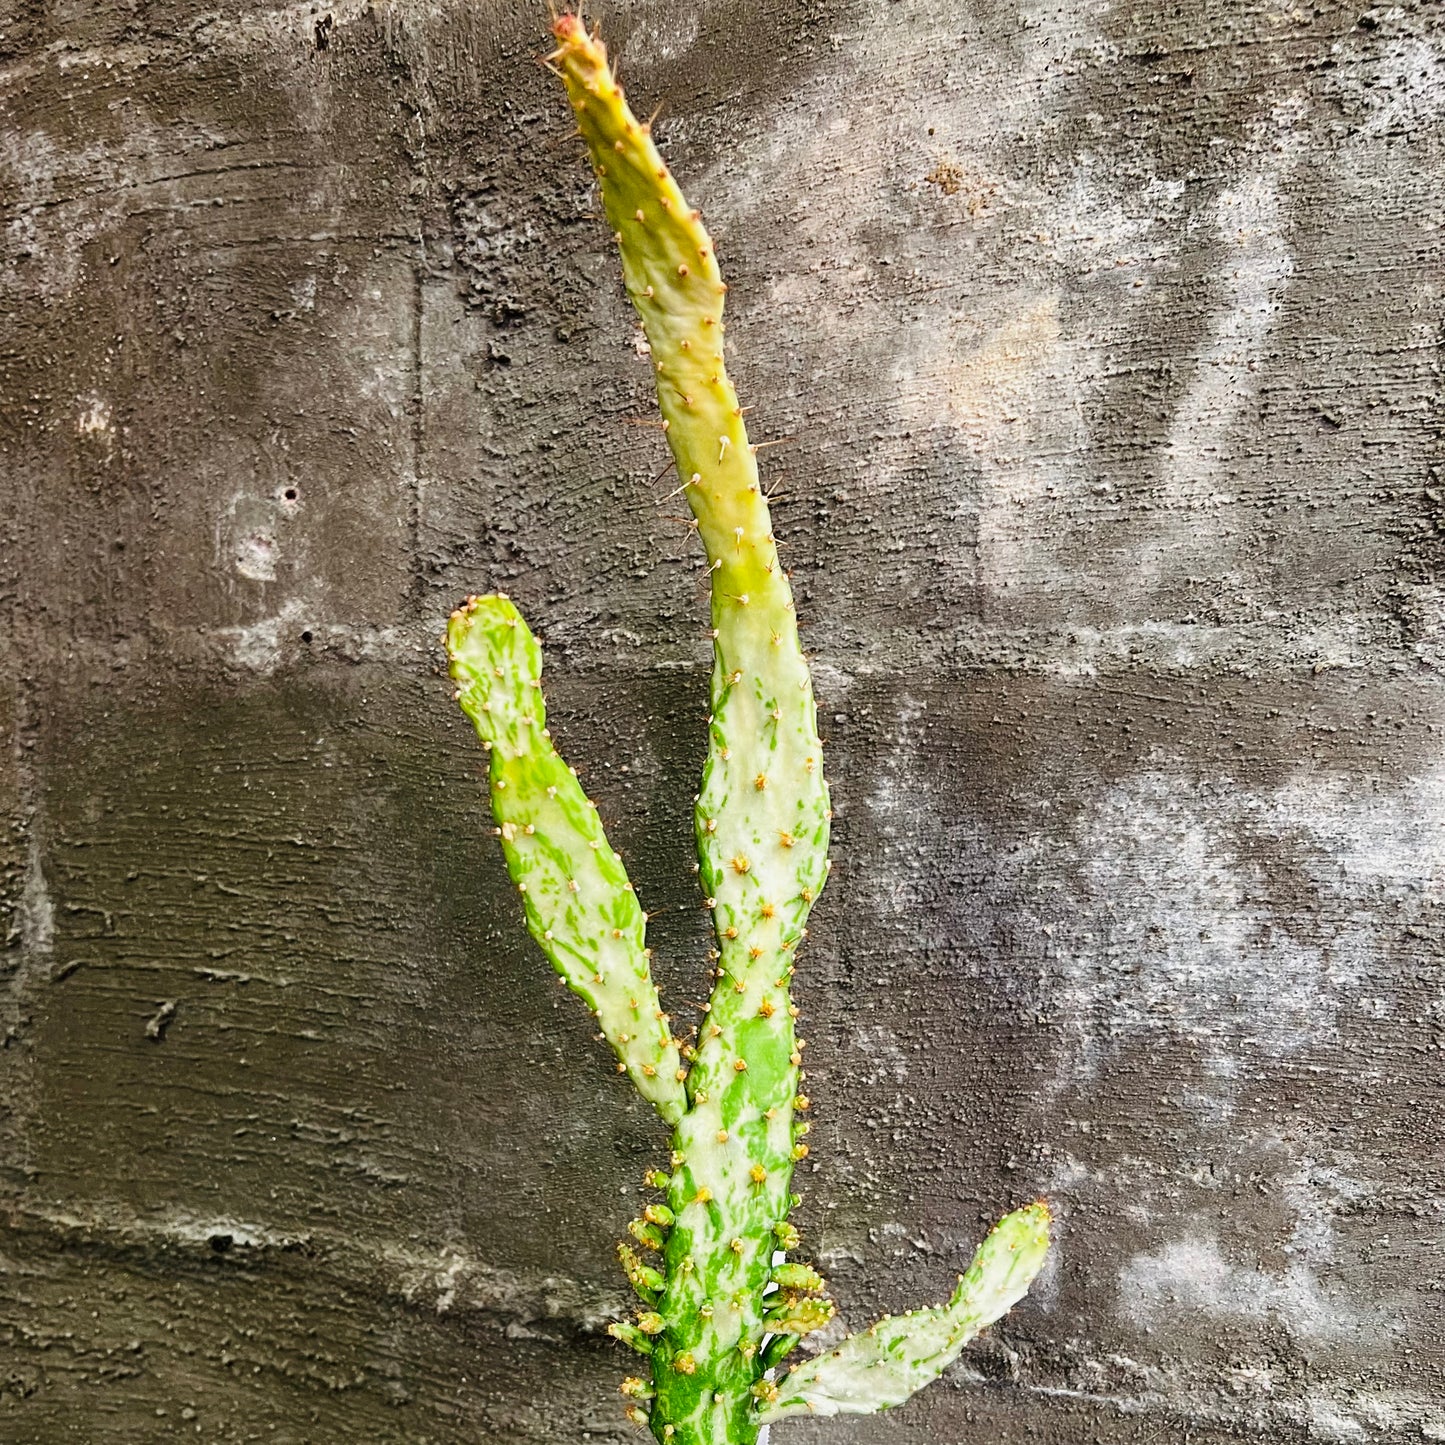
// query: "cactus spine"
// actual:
[[718, 1314]]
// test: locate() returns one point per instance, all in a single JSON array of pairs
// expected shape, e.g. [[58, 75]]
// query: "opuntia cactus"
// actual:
[[720, 1306]]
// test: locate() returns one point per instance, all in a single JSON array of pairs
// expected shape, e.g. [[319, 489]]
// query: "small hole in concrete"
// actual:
[[289, 494], [221, 1243], [306, 636]]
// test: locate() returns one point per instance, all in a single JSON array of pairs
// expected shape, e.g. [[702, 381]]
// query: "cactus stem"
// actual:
[[713, 1296]]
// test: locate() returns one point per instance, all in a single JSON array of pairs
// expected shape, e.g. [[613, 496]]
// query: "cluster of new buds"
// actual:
[[721, 1305]]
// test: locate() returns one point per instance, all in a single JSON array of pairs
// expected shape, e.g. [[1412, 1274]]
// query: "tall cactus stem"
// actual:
[[762, 812]]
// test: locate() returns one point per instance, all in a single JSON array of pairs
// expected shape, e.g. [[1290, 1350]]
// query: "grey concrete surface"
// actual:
[[1103, 341]]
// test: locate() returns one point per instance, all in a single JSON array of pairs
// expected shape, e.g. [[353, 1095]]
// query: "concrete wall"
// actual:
[[1104, 339]]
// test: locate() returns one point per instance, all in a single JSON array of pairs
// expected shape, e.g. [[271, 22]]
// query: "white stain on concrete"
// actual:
[[1197, 1275], [1394, 840], [1250, 220], [293, 632], [248, 538], [1408, 89], [1328, 1420], [658, 36], [54, 207], [1176, 932], [885, 1059], [94, 418], [994, 384], [37, 910], [303, 293], [261, 646], [1172, 933], [908, 811], [1102, 235]]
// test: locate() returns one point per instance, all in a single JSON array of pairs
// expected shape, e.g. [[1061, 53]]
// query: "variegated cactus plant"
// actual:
[[721, 1305]]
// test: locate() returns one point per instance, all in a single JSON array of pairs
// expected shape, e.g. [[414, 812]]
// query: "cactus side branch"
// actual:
[[900, 1354], [579, 903]]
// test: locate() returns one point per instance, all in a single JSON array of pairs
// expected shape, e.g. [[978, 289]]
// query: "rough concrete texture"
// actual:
[[1104, 340]]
